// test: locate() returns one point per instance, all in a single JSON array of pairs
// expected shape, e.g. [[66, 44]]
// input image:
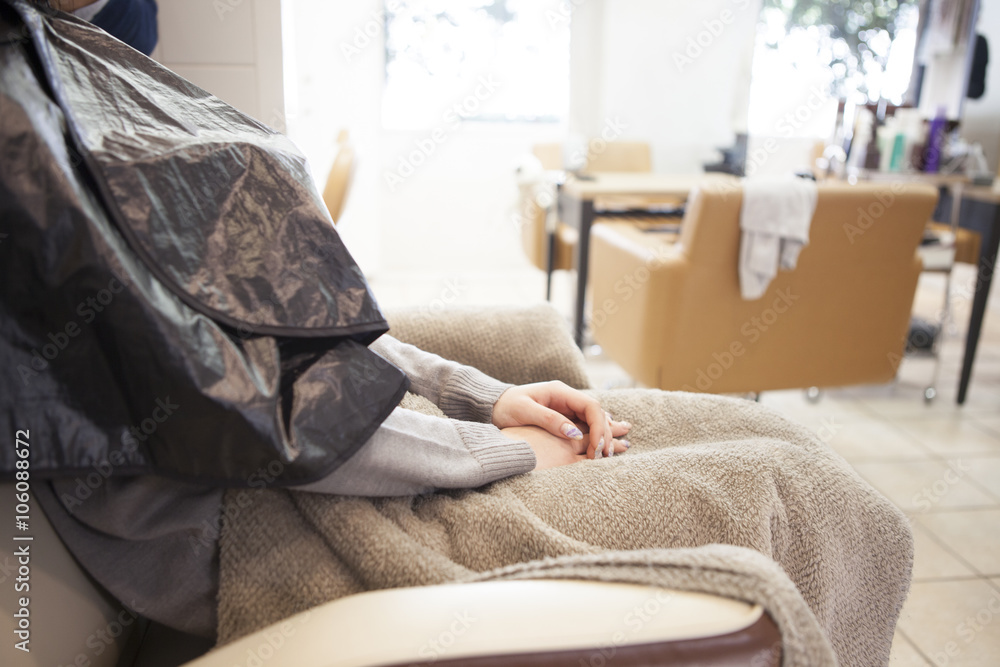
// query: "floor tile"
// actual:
[[952, 436], [829, 409], [873, 441], [907, 403], [973, 535], [904, 654], [986, 471], [940, 618], [933, 561], [925, 486], [991, 424]]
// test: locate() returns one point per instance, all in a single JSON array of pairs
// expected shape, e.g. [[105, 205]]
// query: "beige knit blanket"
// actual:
[[716, 495]]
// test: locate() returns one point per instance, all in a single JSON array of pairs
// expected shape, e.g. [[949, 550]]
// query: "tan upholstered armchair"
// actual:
[[672, 316], [536, 201]]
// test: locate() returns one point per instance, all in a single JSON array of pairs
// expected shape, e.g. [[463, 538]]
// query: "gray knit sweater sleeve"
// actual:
[[462, 392], [413, 453]]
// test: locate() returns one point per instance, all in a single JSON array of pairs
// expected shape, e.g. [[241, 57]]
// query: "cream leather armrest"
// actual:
[[459, 621]]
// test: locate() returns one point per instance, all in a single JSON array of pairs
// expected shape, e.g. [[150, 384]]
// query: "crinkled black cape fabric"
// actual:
[[174, 298]]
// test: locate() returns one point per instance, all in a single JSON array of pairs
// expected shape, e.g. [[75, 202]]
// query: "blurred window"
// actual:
[[811, 53], [487, 60]]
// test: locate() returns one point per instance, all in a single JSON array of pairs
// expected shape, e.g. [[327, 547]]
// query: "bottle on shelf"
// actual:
[[935, 142]]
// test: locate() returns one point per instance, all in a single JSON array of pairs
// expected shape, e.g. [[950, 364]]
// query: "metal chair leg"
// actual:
[[930, 391], [550, 261]]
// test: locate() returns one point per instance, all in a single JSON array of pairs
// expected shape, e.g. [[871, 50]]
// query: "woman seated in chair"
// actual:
[[180, 317], [123, 529]]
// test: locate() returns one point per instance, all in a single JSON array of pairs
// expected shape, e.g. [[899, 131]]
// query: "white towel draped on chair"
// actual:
[[775, 218]]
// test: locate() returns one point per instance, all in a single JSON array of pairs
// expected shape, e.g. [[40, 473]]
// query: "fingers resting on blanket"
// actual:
[[568, 414]]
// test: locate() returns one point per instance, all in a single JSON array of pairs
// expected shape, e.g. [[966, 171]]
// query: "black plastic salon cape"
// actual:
[[173, 296]]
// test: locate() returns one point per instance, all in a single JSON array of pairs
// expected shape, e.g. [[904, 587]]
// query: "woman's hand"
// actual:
[[555, 407], [553, 450]]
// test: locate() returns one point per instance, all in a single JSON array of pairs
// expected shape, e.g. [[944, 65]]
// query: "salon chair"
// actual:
[[671, 313], [73, 621], [543, 235], [537, 200]]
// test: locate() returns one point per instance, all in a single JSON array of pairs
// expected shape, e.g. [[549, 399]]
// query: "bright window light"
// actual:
[[487, 60], [809, 54]]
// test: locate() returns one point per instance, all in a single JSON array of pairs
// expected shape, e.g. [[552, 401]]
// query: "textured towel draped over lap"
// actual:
[[715, 495]]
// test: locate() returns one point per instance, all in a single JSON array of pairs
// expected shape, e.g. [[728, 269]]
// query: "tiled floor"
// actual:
[[940, 463]]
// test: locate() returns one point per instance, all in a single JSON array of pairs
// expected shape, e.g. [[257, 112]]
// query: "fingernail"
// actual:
[[626, 443], [626, 424], [572, 432], [611, 450], [600, 450]]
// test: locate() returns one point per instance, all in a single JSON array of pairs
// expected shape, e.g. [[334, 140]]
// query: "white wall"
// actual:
[[675, 72], [586, 71], [231, 48]]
